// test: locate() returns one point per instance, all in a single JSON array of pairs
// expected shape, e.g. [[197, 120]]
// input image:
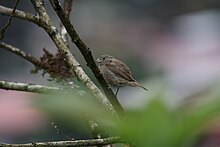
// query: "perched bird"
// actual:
[[116, 73]]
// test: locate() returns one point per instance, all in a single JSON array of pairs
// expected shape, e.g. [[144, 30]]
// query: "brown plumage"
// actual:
[[116, 73]]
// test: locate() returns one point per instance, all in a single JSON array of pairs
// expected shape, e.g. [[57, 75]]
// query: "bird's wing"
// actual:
[[119, 69]]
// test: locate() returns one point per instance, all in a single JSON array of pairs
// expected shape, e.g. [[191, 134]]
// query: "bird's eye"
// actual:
[[103, 58]]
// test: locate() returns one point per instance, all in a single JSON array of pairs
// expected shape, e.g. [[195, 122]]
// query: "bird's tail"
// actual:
[[142, 87], [134, 84]]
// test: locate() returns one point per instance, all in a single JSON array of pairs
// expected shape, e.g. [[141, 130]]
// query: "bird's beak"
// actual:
[[98, 60]]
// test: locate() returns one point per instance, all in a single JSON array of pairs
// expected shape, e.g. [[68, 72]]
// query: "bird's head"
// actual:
[[104, 59]]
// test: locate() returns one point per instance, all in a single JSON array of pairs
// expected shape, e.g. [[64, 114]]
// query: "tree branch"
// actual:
[[91, 142], [70, 60], [2, 33], [96, 130], [27, 87], [19, 14], [67, 6], [22, 54], [87, 56]]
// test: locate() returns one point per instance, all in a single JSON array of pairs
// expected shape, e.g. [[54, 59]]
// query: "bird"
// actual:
[[116, 73]]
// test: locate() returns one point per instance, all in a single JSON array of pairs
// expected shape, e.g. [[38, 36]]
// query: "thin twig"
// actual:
[[60, 132], [2, 33], [67, 7], [87, 56], [22, 54], [19, 14], [27, 87], [90, 142]]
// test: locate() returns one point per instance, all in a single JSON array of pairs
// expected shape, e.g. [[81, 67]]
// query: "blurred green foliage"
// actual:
[[154, 125]]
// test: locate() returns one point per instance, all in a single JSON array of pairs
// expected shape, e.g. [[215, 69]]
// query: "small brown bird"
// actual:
[[116, 73]]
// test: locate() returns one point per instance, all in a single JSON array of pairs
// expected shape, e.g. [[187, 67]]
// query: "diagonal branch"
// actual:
[[23, 15], [22, 54], [19, 14], [70, 59], [67, 6], [27, 87], [91, 142], [2, 33], [87, 56], [96, 130]]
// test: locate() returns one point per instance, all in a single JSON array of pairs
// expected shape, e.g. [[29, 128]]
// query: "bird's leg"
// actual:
[[117, 91]]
